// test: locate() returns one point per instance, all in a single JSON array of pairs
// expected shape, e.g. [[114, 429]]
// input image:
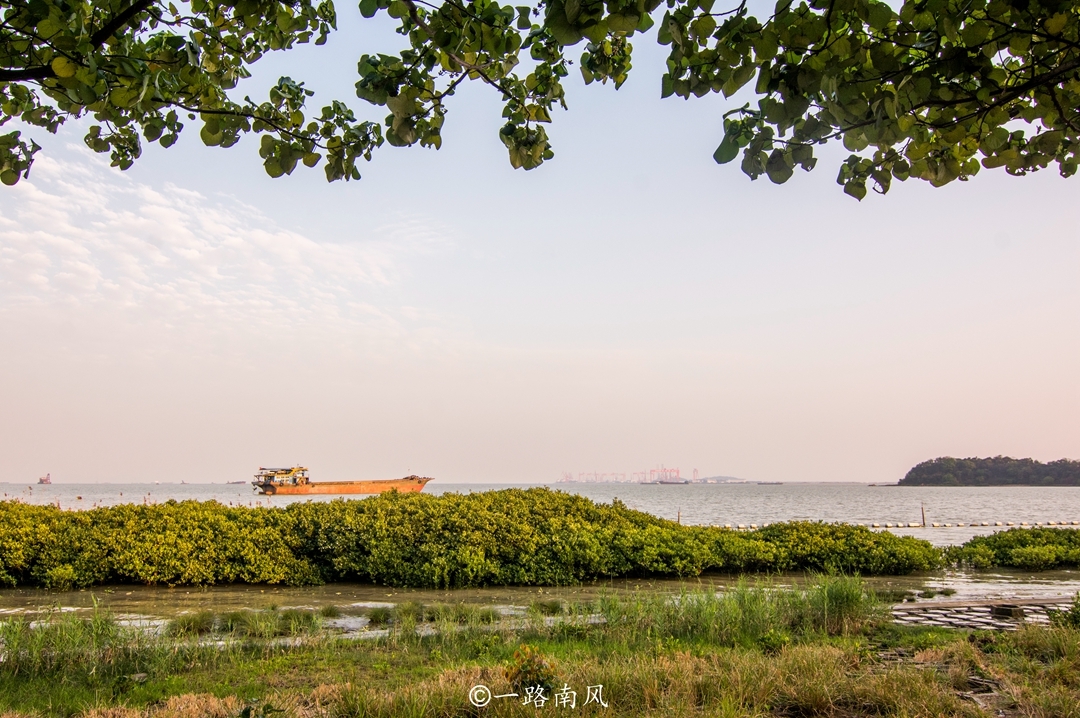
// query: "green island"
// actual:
[[995, 471], [821, 644]]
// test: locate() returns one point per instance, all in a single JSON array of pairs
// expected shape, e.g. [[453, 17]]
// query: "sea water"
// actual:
[[701, 504]]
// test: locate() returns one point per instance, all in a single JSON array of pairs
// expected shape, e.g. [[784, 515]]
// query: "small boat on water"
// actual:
[[46, 479], [295, 480]]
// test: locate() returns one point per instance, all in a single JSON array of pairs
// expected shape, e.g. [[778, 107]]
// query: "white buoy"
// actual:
[[937, 526]]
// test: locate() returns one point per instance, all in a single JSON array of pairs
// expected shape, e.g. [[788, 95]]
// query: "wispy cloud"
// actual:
[[80, 235]]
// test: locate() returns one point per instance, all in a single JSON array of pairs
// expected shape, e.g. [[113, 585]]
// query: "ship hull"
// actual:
[[408, 485]]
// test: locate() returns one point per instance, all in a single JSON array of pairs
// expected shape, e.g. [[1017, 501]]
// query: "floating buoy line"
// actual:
[[916, 525]]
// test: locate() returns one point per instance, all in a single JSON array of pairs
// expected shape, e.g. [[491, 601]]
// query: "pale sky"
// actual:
[[628, 304]]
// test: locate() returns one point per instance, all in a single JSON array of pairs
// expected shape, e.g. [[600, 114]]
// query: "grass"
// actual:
[[824, 649], [549, 607], [192, 624], [380, 615], [330, 611], [267, 624]]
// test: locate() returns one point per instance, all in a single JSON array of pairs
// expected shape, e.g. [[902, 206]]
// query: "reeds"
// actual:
[[265, 624], [89, 649], [752, 650], [745, 615]]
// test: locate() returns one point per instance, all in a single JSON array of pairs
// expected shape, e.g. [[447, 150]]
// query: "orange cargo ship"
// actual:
[[295, 481]]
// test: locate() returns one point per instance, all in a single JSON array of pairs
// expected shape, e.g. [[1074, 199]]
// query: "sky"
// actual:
[[627, 305]]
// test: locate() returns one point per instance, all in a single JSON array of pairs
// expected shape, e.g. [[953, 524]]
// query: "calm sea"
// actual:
[[691, 503]]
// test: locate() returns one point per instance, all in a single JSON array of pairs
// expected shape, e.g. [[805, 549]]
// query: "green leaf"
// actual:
[[523, 21], [856, 189], [1056, 24], [727, 151], [368, 8], [974, 33], [64, 67], [880, 15], [777, 168], [623, 24], [273, 168]]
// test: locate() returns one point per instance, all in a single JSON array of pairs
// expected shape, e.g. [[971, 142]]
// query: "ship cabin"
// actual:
[[294, 476]]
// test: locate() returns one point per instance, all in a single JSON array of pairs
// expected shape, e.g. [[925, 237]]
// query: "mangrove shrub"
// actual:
[[511, 537], [1035, 549]]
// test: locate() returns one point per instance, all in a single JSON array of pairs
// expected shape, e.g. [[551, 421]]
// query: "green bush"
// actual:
[[529, 668], [510, 537], [1034, 549], [1070, 617]]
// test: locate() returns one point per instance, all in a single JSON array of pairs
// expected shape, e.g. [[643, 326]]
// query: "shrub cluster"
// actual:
[[1034, 549], [510, 537]]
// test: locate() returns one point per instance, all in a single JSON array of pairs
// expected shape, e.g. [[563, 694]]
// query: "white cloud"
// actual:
[[79, 236]]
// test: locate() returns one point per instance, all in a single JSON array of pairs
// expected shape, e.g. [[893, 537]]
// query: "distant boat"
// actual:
[[674, 481], [770, 483], [236, 482], [46, 479]]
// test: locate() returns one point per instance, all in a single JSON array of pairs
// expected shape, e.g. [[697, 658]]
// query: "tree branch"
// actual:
[[38, 72], [118, 21]]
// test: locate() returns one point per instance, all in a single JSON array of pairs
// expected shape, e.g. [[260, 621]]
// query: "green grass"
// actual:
[[192, 624], [329, 611], [549, 607], [755, 650], [270, 623], [380, 615]]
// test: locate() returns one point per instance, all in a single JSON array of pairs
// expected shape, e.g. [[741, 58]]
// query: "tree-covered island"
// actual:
[[996, 471]]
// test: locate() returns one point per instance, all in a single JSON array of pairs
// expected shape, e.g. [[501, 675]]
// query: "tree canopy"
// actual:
[[996, 471], [937, 89]]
